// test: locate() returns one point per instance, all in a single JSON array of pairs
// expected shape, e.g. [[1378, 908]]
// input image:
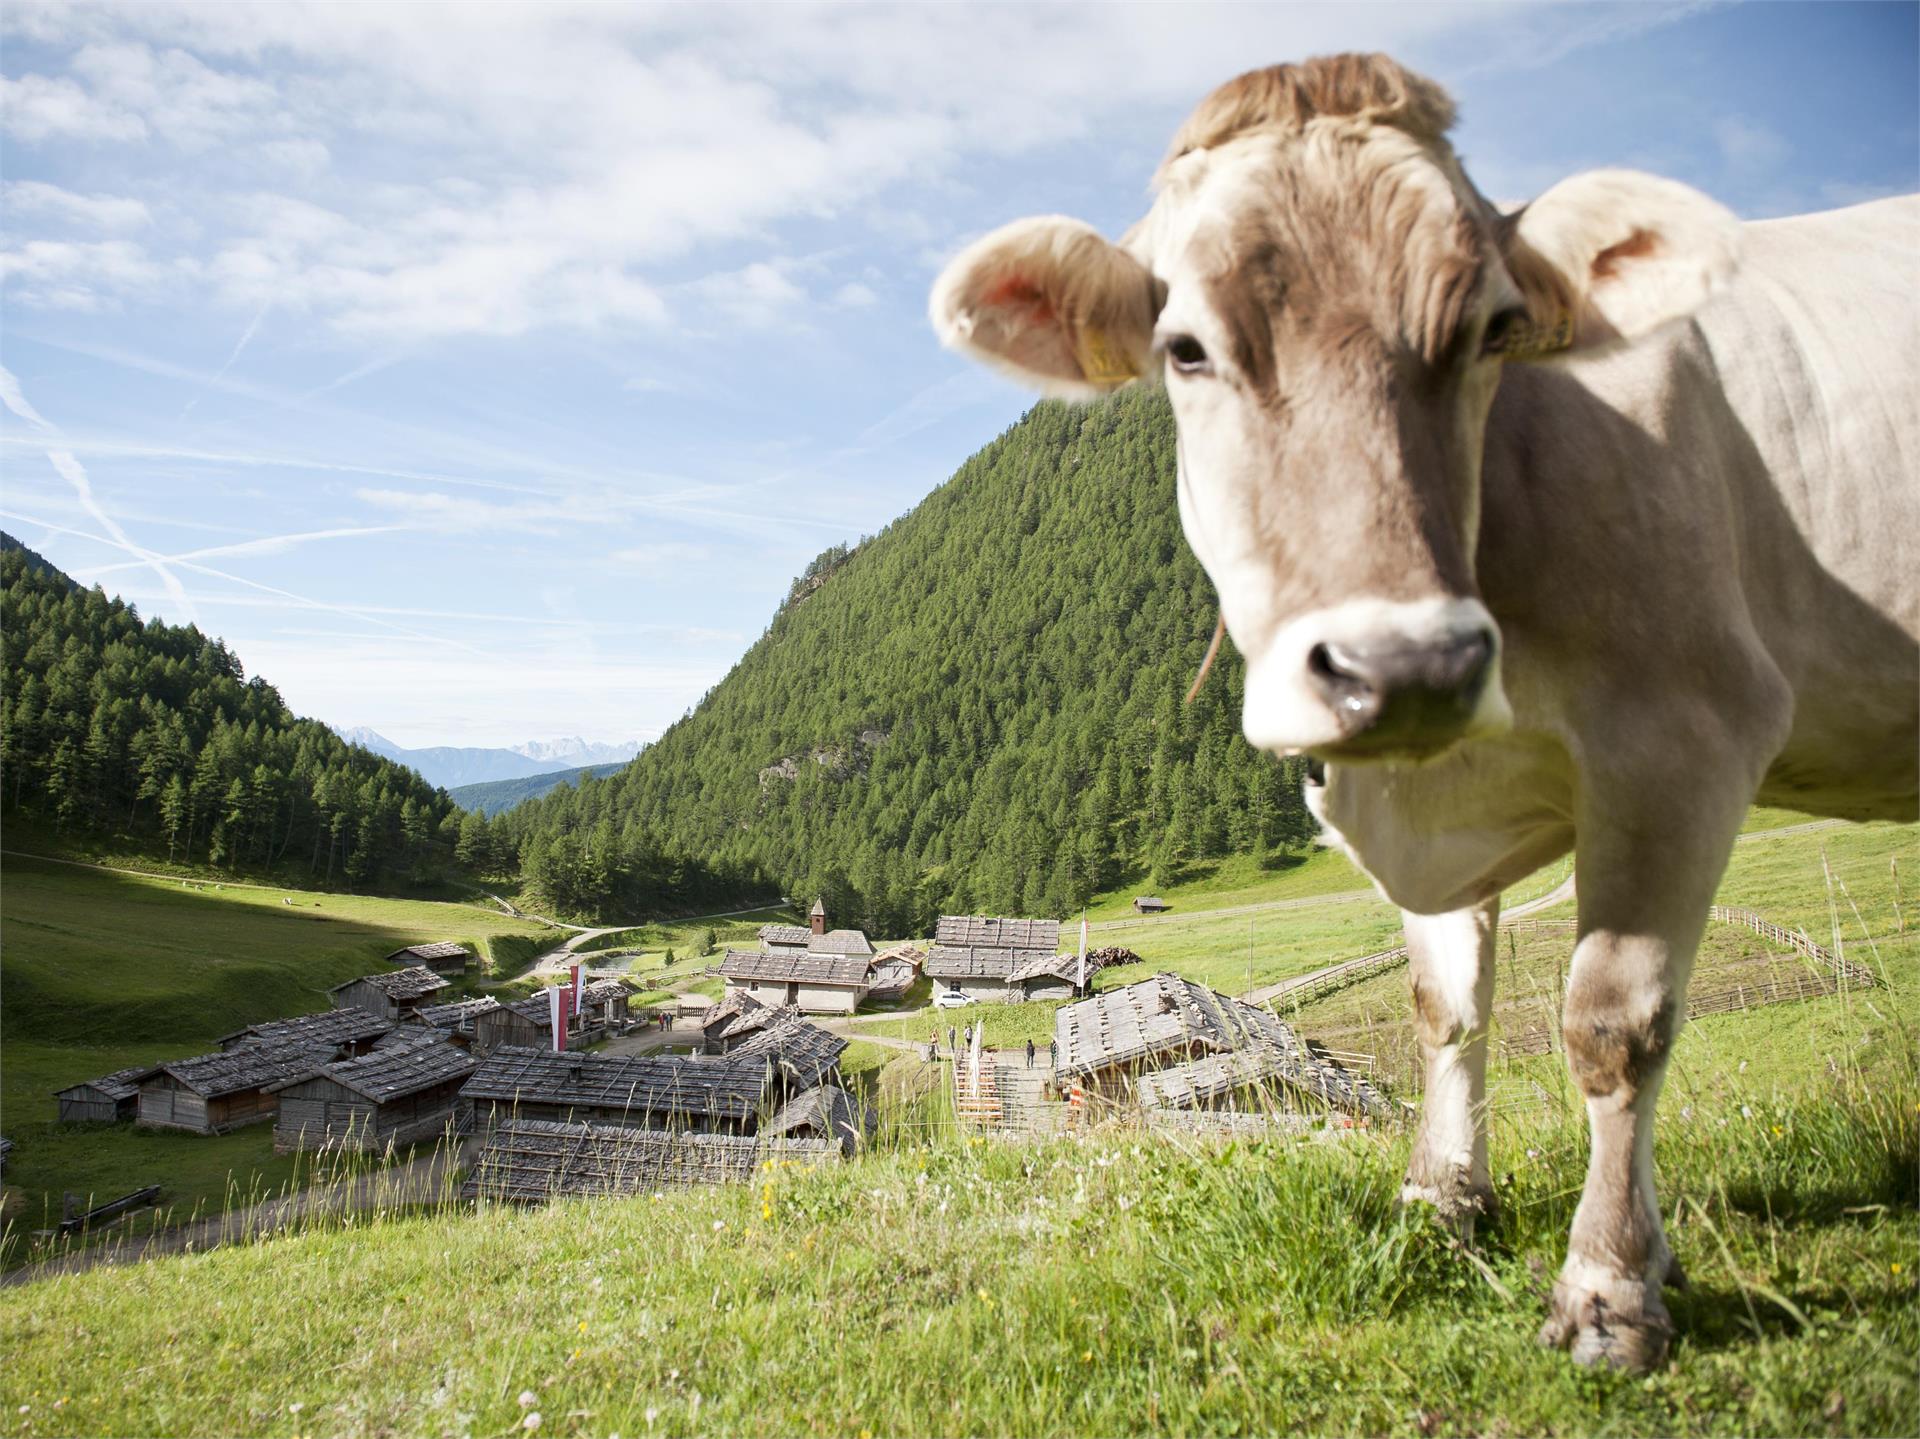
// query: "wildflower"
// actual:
[[527, 1399], [531, 1422], [1895, 1266], [576, 1354], [1086, 1356], [1778, 1130], [295, 1407], [718, 1225], [985, 1298], [583, 1323]]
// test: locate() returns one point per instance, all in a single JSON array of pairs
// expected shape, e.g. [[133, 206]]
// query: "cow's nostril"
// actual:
[[1343, 680]]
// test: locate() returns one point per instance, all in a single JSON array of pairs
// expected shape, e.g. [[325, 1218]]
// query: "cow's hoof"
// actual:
[[1456, 1205], [1620, 1324]]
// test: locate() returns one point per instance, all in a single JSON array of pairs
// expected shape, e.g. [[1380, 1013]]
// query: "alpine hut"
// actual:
[[353, 1029], [106, 1100], [521, 1023], [392, 996], [894, 973], [213, 1093], [978, 957], [825, 1111], [1168, 1043], [819, 983], [530, 1161], [723, 1096], [394, 1096], [442, 957], [1150, 904], [456, 1019], [804, 1055]]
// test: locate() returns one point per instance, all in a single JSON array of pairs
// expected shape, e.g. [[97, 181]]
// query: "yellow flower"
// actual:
[[1086, 1356], [985, 1298], [583, 1326], [766, 1211], [1895, 1266], [1778, 1130]]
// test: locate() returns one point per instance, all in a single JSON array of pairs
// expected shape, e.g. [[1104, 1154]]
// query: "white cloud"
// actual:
[[662, 554], [16, 400], [35, 108], [855, 296], [93, 212]]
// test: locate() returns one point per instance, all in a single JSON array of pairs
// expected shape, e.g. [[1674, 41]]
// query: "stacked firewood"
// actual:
[[1099, 959]]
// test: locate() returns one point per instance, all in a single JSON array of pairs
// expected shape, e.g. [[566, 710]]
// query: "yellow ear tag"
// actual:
[[1103, 362], [1530, 340]]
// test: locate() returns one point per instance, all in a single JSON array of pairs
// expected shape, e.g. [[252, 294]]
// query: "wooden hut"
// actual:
[[106, 1100], [354, 1029], [816, 983], [442, 957], [213, 1093], [824, 1112], [521, 1023], [530, 1161], [457, 1019], [724, 1096], [1168, 1043], [804, 1055], [394, 1096], [1043, 975], [894, 973], [607, 1004], [391, 996], [977, 955], [1150, 904]]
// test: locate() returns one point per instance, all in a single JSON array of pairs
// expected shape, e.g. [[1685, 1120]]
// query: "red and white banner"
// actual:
[[559, 1011], [579, 990]]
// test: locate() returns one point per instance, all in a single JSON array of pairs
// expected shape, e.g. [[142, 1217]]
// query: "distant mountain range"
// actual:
[[492, 796], [451, 766]]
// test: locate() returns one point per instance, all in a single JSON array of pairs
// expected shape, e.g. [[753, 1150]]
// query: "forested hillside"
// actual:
[[977, 709], [137, 731]]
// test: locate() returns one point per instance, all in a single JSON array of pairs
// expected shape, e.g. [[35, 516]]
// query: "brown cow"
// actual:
[[1573, 528]]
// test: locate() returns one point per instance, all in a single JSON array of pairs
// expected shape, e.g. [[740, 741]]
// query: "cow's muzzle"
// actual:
[[1395, 696], [1378, 680]]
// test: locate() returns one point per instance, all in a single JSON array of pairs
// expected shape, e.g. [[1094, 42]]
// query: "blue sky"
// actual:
[[486, 374]]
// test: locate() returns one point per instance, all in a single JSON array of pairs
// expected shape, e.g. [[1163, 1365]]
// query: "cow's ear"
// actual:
[[1609, 256], [1053, 303]]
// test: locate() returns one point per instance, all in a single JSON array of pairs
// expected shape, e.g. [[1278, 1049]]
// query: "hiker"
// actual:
[[933, 1045], [1029, 1053], [951, 1047], [1053, 1054]]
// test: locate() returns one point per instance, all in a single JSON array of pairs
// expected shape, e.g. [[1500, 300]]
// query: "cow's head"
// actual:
[[1330, 302]]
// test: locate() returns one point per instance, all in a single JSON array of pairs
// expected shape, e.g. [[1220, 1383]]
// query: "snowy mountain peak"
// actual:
[[575, 751]]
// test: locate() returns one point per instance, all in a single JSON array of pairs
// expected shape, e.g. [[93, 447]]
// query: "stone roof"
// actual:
[[532, 1161], [840, 941], [792, 936], [439, 949], [1043, 964], [390, 1074], [252, 1066], [603, 991], [403, 986], [792, 967], [979, 931], [1210, 1045], [121, 1084], [625, 1083], [329, 1026], [953, 962]]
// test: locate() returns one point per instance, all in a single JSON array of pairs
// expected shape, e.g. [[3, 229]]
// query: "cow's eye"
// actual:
[[1503, 328], [1188, 355]]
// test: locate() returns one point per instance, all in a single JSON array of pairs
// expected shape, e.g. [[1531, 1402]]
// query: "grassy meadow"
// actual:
[[1123, 1282], [102, 970]]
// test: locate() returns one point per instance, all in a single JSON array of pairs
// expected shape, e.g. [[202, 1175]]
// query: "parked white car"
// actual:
[[951, 999]]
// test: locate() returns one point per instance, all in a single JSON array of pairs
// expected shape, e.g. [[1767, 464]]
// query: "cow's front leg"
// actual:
[[1450, 965], [1643, 905]]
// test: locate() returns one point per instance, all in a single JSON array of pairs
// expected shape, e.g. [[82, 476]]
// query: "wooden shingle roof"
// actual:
[[1212, 1044], [439, 949], [793, 967], [825, 1110], [121, 1084], [404, 986], [601, 991], [391, 1074], [457, 1013], [253, 1066], [530, 1161], [805, 1052], [840, 941], [1043, 964], [979, 931], [946, 961], [789, 935], [329, 1026], [625, 1083]]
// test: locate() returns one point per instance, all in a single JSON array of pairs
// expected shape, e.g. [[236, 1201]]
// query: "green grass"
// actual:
[[1240, 879], [104, 970], [1114, 1286]]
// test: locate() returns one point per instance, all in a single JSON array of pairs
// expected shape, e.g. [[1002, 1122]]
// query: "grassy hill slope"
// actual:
[[104, 969]]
